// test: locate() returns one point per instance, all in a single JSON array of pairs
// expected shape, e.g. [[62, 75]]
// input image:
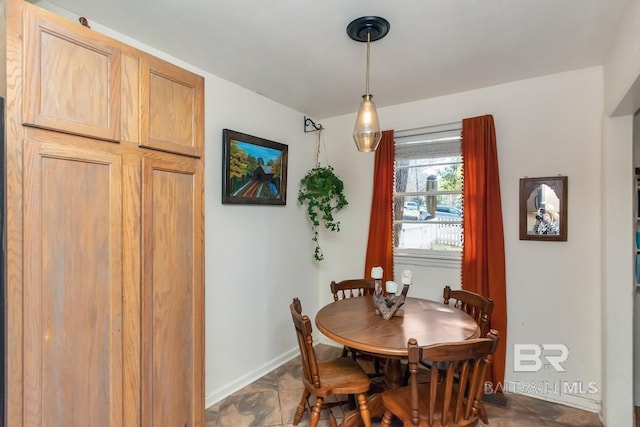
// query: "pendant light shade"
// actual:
[[366, 132]]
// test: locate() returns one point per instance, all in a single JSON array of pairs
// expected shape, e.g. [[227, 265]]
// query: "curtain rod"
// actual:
[[429, 129]]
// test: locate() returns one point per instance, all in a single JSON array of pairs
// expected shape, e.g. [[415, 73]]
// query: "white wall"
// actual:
[[618, 280], [257, 257], [623, 63], [545, 126]]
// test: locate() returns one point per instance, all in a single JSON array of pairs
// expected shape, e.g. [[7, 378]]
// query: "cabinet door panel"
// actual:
[[72, 287], [172, 295], [72, 78], [171, 108]]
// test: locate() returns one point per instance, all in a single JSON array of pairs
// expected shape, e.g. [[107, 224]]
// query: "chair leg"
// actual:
[[482, 412], [364, 409], [301, 407], [376, 365], [386, 419], [332, 418], [315, 412]]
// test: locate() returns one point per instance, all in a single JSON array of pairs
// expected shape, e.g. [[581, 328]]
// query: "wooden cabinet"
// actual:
[[72, 286], [171, 213], [170, 115], [105, 230], [72, 78]]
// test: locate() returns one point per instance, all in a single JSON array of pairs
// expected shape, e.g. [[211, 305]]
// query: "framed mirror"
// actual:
[[543, 208]]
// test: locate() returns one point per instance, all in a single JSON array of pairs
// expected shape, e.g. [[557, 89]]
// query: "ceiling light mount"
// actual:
[[376, 26], [366, 132]]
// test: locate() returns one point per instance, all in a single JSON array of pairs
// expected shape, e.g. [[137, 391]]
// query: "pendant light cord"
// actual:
[[368, 60]]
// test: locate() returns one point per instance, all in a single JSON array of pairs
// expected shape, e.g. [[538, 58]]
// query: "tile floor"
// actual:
[[272, 400]]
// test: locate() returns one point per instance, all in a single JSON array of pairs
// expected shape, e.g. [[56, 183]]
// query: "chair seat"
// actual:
[[340, 376], [398, 401], [451, 397]]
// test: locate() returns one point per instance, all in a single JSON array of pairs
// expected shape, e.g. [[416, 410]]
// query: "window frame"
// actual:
[[426, 136]]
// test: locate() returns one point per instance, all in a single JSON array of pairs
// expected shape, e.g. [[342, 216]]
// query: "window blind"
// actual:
[[428, 142]]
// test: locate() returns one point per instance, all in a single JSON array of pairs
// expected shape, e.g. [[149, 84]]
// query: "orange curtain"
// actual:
[[483, 260], [380, 246]]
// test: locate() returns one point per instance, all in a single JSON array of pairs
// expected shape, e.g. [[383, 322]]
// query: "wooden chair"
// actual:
[[475, 305], [351, 288], [451, 399], [478, 307], [323, 379]]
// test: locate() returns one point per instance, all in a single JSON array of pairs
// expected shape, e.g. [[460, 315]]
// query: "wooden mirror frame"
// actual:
[[558, 184]]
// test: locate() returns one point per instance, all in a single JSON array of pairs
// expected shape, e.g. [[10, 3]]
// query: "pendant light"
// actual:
[[366, 132]]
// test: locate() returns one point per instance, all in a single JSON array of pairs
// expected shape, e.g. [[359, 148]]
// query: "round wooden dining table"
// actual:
[[353, 322]]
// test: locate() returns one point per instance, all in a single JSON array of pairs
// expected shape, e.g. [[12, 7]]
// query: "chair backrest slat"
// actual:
[[475, 305], [456, 386], [464, 380], [351, 288]]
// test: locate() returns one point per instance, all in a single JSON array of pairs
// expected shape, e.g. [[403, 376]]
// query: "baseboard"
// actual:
[[228, 389], [496, 399], [571, 400], [585, 397]]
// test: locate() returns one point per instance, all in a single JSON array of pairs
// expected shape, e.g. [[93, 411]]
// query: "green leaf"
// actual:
[[322, 191]]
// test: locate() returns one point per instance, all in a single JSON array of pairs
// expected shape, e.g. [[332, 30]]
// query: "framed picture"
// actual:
[[543, 208], [254, 170]]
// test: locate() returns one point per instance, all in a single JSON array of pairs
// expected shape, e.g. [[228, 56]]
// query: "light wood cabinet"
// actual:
[[171, 219], [72, 78], [72, 286], [170, 115], [104, 265]]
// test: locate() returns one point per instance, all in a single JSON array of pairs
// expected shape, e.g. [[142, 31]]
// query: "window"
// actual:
[[428, 204]]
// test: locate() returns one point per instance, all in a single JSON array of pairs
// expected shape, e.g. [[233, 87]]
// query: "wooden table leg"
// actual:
[[393, 379], [352, 419], [393, 374]]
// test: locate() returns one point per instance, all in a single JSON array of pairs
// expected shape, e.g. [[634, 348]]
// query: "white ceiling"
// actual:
[[297, 52]]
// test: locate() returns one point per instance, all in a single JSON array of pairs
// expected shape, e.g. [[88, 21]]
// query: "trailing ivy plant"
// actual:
[[322, 191]]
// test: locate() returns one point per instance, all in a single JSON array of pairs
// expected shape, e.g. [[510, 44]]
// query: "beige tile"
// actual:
[[266, 383], [211, 418], [251, 409], [232, 417], [291, 377], [576, 417], [272, 400], [289, 400]]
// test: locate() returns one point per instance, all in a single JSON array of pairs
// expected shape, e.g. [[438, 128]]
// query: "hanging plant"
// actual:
[[322, 191]]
